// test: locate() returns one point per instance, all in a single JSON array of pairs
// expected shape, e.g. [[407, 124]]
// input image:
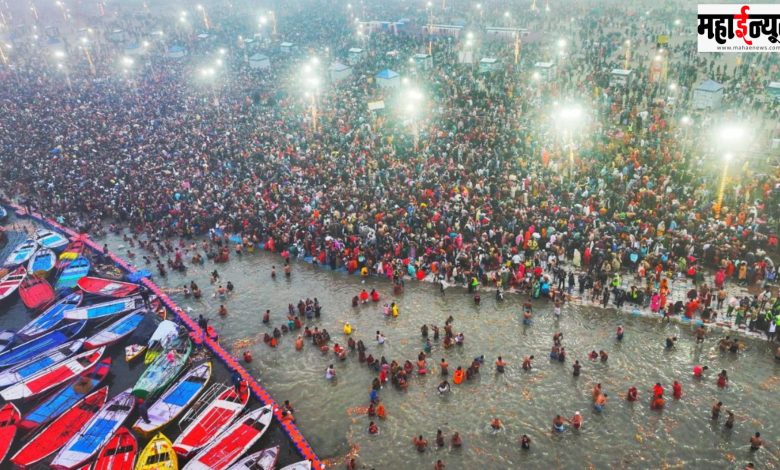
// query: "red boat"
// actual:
[[59, 432], [210, 422], [106, 287], [9, 417], [119, 453], [36, 292]]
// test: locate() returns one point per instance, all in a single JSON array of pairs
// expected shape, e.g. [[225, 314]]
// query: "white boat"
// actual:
[[34, 365], [117, 330], [50, 239], [263, 460], [95, 433], [11, 282], [53, 376], [22, 253], [105, 309], [174, 400]]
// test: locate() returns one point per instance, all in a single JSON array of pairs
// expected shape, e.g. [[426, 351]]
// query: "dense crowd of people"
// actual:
[[484, 183]]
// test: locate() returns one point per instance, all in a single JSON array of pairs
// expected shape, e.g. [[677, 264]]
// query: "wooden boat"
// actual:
[[95, 433], [234, 442], [158, 455], [263, 460], [166, 332], [116, 330], [57, 403], [50, 239], [9, 425], [71, 252], [36, 292], [133, 351], [119, 453], [106, 287], [32, 366], [22, 253], [50, 377], [211, 421], [302, 465], [11, 281], [163, 370], [59, 432], [40, 344], [42, 262], [175, 400], [7, 338], [52, 317], [105, 309], [70, 274]]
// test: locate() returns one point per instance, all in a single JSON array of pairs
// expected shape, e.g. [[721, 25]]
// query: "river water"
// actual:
[[625, 435]]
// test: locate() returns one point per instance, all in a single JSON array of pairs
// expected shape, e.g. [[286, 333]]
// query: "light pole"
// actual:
[[729, 138], [430, 29], [412, 100], [311, 83], [569, 118], [3, 57], [627, 54], [205, 17], [87, 55]]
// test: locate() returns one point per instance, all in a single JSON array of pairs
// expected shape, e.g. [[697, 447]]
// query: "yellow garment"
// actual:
[[395, 310]]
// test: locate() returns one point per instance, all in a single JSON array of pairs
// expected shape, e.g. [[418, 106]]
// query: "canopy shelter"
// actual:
[[175, 52], [388, 79], [355, 55], [708, 95], [259, 62], [338, 71]]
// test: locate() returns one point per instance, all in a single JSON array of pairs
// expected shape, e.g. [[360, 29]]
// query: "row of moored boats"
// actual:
[[54, 366]]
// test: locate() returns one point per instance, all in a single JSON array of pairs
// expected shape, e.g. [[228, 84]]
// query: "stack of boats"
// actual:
[[53, 367]]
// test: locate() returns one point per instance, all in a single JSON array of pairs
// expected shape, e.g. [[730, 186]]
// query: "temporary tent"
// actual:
[[388, 79], [708, 95], [489, 64], [773, 90], [339, 71], [259, 62], [134, 49], [287, 47], [620, 77], [546, 70], [423, 61], [355, 55], [176, 52]]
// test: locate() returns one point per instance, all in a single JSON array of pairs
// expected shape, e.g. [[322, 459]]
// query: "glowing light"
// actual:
[[686, 120], [127, 61], [561, 43], [59, 54]]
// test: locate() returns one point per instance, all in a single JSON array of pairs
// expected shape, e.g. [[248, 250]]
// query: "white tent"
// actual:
[[355, 55], [422, 61], [489, 64], [339, 71], [287, 47], [546, 70], [708, 95], [620, 77], [259, 62], [175, 52], [388, 79], [134, 49]]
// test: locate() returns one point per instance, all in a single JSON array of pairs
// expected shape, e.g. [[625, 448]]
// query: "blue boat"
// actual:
[[50, 239], [105, 309], [74, 271], [42, 262], [40, 344], [3, 214], [7, 338], [98, 430], [52, 317], [117, 330], [32, 366], [61, 401], [22, 253]]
